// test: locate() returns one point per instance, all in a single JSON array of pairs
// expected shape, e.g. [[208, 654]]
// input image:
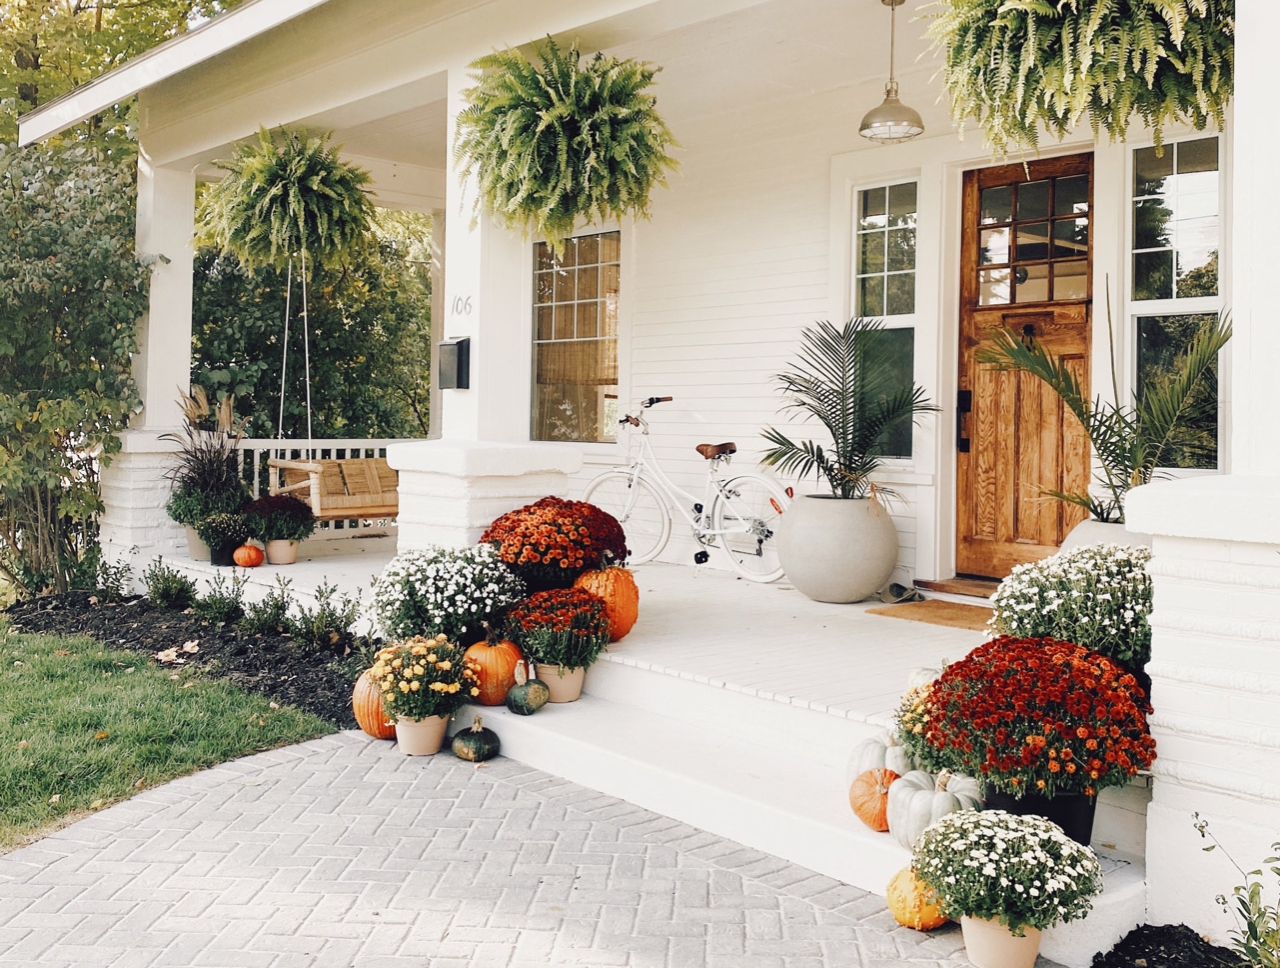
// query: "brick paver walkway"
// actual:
[[344, 852]]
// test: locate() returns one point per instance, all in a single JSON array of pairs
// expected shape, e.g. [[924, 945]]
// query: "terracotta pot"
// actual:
[[196, 549], [565, 685], [421, 737], [989, 944], [1072, 812], [837, 549], [282, 552], [225, 556]]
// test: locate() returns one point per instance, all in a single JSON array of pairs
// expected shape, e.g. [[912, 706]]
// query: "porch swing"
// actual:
[[281, 197]]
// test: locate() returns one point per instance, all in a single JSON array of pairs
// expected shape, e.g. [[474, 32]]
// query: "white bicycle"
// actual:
[[738, 514]]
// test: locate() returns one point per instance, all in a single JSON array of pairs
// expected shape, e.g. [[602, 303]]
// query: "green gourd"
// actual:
[[476, 744], [528, 695]]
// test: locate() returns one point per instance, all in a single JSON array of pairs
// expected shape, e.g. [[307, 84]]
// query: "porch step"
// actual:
[[964, 591]]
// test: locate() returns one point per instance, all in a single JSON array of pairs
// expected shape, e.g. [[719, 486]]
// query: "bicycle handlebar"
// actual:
[[653, 400], [628, 419]]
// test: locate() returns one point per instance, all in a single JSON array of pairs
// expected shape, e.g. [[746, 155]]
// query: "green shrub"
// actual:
[[270, 616], [327, 626], [167, 587], [224, 602]]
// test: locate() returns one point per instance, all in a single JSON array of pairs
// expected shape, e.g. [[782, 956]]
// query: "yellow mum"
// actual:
[[415, 686], [444, 666], [404, 687]]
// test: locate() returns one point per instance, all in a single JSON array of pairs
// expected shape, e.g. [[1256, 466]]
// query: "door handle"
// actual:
[[964, 406]]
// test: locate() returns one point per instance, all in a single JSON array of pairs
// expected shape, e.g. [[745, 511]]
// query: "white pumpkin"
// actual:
[[925, 675], [882, 751], [918, 798]]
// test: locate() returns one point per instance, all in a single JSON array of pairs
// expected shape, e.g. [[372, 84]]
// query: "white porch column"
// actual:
[[1215, 663], [134, 486], [483, 464]]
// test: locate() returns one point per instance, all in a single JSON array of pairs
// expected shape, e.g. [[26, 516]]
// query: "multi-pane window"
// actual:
[[886, 251], [575, 348], [1175, 221], [1033, 242]]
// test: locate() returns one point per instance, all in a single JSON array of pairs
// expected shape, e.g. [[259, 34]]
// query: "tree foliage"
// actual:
[[71, 292], [1017, 66], [562, 140], [50, 47]]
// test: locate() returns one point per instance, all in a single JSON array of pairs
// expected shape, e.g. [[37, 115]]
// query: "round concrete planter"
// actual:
[[281, 552], [1091, 532], [989, 944], [565, 685], [837, 549]]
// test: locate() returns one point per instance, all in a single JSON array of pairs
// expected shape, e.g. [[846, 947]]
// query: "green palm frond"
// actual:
[[283, 195], [844, 380], [562, 140], [1020, 67]]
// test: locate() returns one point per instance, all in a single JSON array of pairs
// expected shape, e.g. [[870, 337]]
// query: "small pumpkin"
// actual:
[[496, 660], [366, 703], [882, 750], [248, 556], [617, 586], [918, 798], [913, 903], [477, 744], [869, 797], [528, 695]]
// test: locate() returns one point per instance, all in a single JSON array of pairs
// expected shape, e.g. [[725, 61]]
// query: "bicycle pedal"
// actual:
[[701, 557]]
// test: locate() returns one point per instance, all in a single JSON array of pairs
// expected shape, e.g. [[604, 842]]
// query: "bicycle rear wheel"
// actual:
[[639, 508], [745, 515]]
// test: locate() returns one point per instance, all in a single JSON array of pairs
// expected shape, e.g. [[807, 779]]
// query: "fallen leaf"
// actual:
[[101, 734], [187, 685], [261, 721], [130, 669], [140, 784], [167, 655], [61, 651], [192, 646], [175, 676], [93, 599], [23, 744], [274, 705], [17, 663], [55, 798], [97, 804]]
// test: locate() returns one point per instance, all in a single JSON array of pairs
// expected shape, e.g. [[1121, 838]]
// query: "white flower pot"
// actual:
[[196, 549], [989, 944], [1091, 532], [837, 549], [421, 737], [280, 552]]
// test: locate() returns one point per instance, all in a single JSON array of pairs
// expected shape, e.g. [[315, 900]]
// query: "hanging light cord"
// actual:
[[892, 86]]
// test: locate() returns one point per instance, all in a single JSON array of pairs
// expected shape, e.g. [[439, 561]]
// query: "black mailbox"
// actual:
[[454, 364]]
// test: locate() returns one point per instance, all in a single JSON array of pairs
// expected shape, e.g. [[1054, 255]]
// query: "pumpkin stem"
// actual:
[[488, 633], [943, 779], [476, 725]]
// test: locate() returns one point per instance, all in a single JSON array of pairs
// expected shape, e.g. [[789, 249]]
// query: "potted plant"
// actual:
[[1043, 724], [1016, 69], [1005, 878], [206, 478], [280, 521], [449, 591], [841, 546], [1130, 441], [223, 533], [423, 681], [562, 631], [562, 140], [552, 542]]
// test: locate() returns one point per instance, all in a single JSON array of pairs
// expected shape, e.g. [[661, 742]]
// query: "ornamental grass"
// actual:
[[565, 627], [550, 543], [1031, 715]]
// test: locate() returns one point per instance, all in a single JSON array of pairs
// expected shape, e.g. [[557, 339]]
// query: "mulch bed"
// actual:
[[1166, 946], [273, 665]]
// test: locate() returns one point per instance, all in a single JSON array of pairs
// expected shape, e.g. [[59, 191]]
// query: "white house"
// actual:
[[782, 214]]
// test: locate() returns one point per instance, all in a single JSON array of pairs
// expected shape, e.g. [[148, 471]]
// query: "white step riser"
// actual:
[[787, 728]]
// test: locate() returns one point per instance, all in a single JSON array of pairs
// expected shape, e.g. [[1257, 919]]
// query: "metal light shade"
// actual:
[[891, 121]]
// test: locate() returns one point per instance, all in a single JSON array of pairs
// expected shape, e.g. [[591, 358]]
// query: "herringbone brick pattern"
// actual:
[[344, 852]]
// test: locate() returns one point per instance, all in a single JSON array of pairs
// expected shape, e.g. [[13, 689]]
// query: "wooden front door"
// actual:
[[1026, 265]]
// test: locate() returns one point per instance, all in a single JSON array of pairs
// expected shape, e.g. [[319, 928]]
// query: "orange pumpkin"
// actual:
[[497, 660], [366, 703], [913, 903], [248, 556], [869, 797], [617, 587]]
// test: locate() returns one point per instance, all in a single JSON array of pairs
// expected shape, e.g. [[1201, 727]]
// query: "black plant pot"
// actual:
[[224, 555], [1072, 812]]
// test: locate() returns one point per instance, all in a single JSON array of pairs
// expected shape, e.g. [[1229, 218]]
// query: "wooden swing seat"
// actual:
[[339, 490]]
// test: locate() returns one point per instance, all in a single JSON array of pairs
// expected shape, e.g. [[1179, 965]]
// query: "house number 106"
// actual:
[[461, 306]]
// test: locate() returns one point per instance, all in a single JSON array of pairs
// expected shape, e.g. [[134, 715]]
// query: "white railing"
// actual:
[[255, 452]]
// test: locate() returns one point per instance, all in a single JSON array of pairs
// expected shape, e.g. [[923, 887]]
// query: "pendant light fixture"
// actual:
[[892, 121]]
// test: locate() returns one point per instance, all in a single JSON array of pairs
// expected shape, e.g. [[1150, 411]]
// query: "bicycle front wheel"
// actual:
[[745, 516], [639, 508]]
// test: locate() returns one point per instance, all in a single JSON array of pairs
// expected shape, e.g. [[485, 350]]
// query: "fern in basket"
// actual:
[[562, 139], [1015, 66], [287, 194]]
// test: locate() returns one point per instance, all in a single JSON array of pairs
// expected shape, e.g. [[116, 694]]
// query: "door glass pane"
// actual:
[[1151, 218], [1032, 284], [1071, 195], [873, 215], [993, 287], [997, 205], [1033, 242], [871, 296], [871, 252], [1071, 280], [1033, 200], [1153, 275], [902, 205], [1161, 340], [900, 294], [993, 246], [902, 249], [1070, 238], [1151, 171]]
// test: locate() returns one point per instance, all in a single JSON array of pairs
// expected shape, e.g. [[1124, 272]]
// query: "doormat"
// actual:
[[936, 612]]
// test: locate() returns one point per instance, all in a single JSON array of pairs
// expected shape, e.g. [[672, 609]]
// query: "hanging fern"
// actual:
[[283, 195], [1013, 66], [561, 140]]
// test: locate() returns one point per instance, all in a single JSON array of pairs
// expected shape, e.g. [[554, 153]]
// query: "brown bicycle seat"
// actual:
[[712, 451]]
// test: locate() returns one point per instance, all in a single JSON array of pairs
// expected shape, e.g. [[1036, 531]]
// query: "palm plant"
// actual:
[[563, 139], [845, 380], [1130, 441]]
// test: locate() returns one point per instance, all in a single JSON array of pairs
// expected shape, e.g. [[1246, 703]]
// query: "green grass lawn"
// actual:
[[83, 726]]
